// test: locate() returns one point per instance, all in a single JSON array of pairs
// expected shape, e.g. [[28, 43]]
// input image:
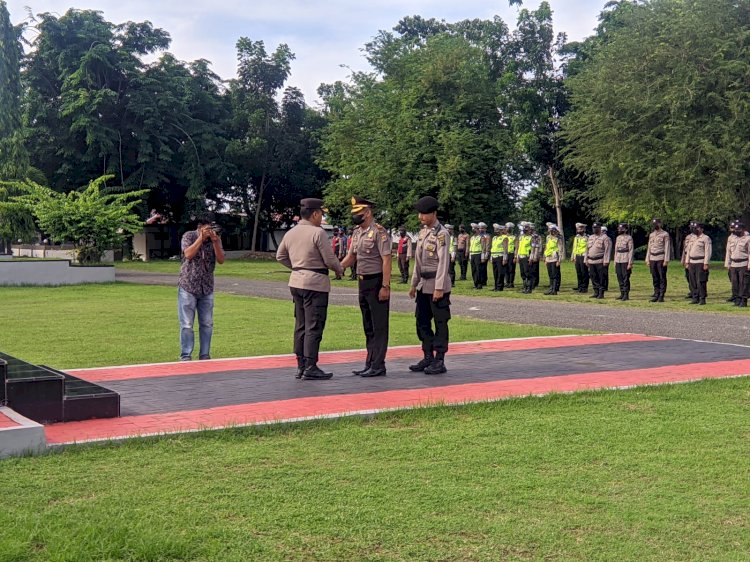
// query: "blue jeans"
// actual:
[[187, 304]]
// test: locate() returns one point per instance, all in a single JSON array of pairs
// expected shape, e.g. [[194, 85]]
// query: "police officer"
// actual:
[[737, 262], [554, 253], [452, 253], [431, 287], [658, 254], [499, 255], [605, 283], [510, 270], [405, 253], [371, 248], [484, 262], [684, 258], [598, 256], [580, 245], [535, 257], [305, 250], [624, 250], [698, 259], [462, 250], [522, 255], [475, 256]]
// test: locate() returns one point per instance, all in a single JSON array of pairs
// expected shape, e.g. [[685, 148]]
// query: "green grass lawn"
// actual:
[[117, 324], [645, 474], [719, 288]]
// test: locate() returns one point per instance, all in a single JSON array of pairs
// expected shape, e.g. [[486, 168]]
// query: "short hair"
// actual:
[[306, 213], [204, 219]]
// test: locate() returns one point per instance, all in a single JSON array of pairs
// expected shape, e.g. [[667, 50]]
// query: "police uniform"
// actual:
[[405, 253], [698, 258], [431, 274], [510, 269], [624, 251], [305, 250], [534, 259], [737, 262], [484, 262], [475, 256], [370, 245], [598, 255], [580, 245], [658, 252], [684, 258], [523, 252], [462, 252], [499, 256], [554, 253]]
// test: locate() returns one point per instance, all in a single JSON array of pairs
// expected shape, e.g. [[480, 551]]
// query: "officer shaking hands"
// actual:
[[431, 286], [371, 249]]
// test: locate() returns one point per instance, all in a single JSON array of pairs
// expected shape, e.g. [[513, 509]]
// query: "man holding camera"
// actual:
[[201, 249]]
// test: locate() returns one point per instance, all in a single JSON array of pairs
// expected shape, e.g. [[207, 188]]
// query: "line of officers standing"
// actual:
[[592, 255], [305, 250]]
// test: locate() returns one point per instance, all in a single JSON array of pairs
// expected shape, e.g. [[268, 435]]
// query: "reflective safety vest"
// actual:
[[497, 245], [579, 246], [511, 244], [553, 246], [475, 245], [452, 245], [524, 246]]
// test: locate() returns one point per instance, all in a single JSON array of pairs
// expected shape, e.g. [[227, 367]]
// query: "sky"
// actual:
[[326, 36]]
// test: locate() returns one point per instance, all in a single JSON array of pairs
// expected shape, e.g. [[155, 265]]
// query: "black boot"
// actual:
[[660, 299], [601, 294], [621, 297], [655, 298], [695, 301], [702, 302], [423, 364], [436, 368], [626, 296], [595, 294], [314, 373], [743, 303]]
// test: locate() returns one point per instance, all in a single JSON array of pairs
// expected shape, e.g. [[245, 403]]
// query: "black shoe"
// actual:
[[495, 290], [702, 302], [654, 299], [373, 372], [511, 286], [436, 368], [600, 295], [594, 296], [621, 297], [549, 292], [733, 299], [315, 374], [462, 279], [689, 296], [625, 297], [358, 373], [422, 365], [694, 301], [660, 299], [743, 303], [300, 372]]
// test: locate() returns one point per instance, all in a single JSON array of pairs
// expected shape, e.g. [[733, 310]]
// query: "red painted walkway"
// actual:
[[478, 371]]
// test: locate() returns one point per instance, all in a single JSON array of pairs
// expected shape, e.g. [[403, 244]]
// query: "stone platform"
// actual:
[[182, 397]]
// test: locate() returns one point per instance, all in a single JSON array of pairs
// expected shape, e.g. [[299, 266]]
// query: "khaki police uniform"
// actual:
[[684, 261], [658, 252], [737, 262], [370, 245], [462, 253], [306, 250], [624, 251], [405, 253], [598, 255], [698, 257], [431, 273]]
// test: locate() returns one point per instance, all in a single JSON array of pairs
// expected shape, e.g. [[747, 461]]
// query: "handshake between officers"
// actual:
[[305, 250]]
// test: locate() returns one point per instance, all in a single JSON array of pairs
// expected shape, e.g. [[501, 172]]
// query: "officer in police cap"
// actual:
[[658, 254], [305, 250], [371, 249], [431, 287]]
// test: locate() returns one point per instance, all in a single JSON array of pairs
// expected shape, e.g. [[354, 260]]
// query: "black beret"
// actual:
[[312, 204], [427, 205]]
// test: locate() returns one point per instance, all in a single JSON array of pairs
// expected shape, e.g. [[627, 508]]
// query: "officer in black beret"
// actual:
[[371, 248], [431, 287]]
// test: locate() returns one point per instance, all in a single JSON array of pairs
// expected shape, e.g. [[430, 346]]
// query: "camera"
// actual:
[[215, 227]]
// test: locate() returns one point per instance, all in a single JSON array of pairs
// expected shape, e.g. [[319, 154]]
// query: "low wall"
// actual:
[[54, 252], [19, 435], [52, 272]]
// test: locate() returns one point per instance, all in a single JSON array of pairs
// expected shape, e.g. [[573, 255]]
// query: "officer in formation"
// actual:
[[452, 253], [684, 256], [658, 254], [624, 251], [499, 255], [371, 249], [578, 257], [698, 257], [528, 253], [404, 253], [510, 269], [307, 252], [737, 262], [479, 254], [554, 254], [462, 250], [598, 255], [431, 287]]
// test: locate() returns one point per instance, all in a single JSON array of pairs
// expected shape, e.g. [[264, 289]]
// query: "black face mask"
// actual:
[[739, 232], [597, 231], [462, 230], [402, 233], [693, 230], [358, 219]]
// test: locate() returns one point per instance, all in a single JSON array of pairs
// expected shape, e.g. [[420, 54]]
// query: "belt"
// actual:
[[740, 260], [697, 257], [596, 257], [429, 274], [623, 251], [657, 253], [523, 255], [369, 276], [322, 271]]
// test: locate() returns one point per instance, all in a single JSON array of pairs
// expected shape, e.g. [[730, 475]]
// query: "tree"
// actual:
[[660, 120], [94, 219]]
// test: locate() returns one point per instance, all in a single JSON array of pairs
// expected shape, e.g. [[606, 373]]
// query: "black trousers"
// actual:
[[659, 277], [605, 282], [582, 273], [484, 275], [310, 313], [462, 257], [375, 317], [623, 276], [353, 276], [698, 280], [403, 267], [596, 274], [534, 272], [553, 271], [523, 265], [740, 278], [476, 269], [498, 273], [510, 270], [429, 311], [452, 272]]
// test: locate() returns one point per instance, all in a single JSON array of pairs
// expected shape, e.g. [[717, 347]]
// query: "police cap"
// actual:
[[312, 204], [449, 226], [427, 205], [481, 225], [359, 204], [596, 225]]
